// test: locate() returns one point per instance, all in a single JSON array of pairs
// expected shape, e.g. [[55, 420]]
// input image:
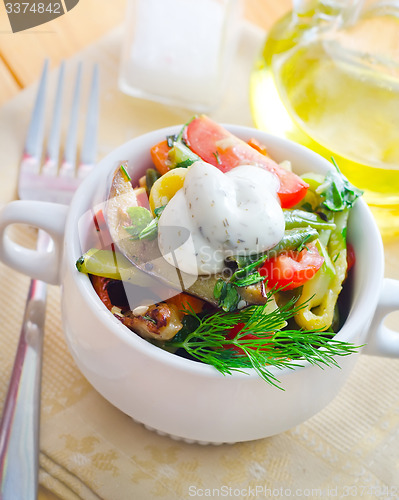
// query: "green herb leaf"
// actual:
[[144, 226], [338, 192], [141, 218], [260, 344], [219, 287], [159, 210], [180, 155], [179, 137], [125, 172], [190, 323], [303, 244], [227, 295], [172, 139], [185, 163], [216, 155], [246, 267], [307, 206], [150, 232], [148, 318], [250, 279]]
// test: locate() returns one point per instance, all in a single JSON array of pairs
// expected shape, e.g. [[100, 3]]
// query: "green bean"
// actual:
[[151, 176], [293, 239], [301, 218]]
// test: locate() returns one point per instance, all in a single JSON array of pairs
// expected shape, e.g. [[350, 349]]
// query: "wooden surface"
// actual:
[[22, 54]]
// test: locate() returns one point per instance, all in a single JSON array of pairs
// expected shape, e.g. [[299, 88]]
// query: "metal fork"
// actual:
[[47, 181]]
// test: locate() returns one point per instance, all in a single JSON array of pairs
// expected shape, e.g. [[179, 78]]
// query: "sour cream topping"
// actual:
[[216, 215]]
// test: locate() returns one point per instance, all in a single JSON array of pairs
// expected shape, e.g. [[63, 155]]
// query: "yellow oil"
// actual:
[[340, 103]]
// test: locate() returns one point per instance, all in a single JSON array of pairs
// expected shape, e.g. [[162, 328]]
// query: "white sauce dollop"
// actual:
[[216, 215]]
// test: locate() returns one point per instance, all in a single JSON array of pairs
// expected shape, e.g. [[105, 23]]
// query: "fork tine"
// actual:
[[35, 136], [53, 144], [68, 166], [89, 148]]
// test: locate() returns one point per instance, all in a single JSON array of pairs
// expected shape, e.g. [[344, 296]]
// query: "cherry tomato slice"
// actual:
[[235, 330], [100, 236], [217, 146], [292, 268]]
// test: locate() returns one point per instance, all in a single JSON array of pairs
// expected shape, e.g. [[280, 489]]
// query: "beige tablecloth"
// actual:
[[90, 450]]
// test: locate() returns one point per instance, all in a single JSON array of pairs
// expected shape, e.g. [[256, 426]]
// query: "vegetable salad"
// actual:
[[224, 256]]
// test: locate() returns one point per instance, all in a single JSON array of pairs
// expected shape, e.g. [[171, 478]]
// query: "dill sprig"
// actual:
[[261, 343]]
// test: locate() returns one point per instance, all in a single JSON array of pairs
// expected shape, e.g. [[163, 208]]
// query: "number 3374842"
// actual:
[[33, 8]]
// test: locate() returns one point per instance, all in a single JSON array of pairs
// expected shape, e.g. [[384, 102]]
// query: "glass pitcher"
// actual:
[[328, 77]]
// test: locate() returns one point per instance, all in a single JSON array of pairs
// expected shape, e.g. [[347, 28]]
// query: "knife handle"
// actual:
[[20, 423]]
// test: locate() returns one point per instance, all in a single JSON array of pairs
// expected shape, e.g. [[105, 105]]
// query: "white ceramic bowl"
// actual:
[[176, 396]]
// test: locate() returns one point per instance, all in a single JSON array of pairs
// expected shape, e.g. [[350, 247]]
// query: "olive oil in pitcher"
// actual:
[[336, 90]]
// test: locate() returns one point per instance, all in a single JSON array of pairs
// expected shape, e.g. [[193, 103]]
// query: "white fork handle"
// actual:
[[39, 264], [19, 427]]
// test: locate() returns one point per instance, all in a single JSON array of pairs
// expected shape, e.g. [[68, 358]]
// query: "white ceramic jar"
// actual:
[[179, 52]]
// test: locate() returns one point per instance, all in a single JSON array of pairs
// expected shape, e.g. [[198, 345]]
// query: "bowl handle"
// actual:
[[383, 341], [42, 264]]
